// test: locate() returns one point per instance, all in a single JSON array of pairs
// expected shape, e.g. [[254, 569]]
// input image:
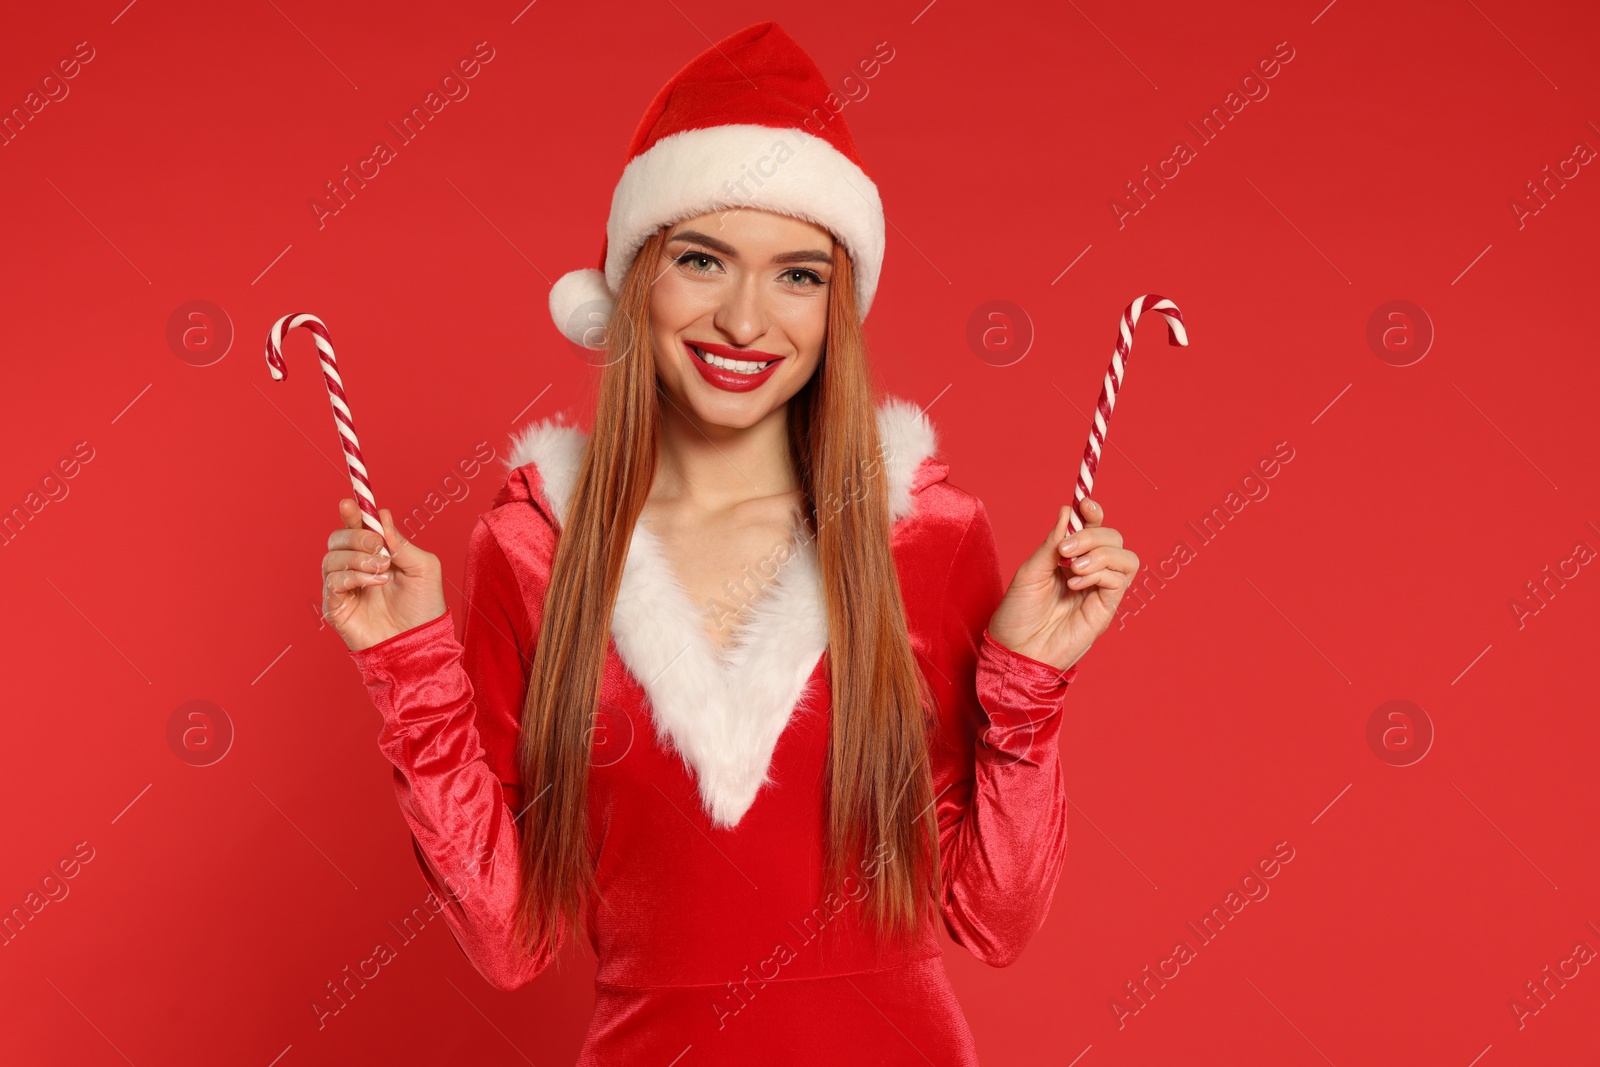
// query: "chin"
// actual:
[[710, 406], [733, 411]]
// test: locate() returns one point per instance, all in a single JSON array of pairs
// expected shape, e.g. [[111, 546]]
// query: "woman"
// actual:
[[777, 720]]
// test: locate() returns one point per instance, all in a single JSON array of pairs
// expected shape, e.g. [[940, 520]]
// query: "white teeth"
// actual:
[[738, 366]]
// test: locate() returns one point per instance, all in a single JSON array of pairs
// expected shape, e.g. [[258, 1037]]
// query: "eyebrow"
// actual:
[[695, 236]]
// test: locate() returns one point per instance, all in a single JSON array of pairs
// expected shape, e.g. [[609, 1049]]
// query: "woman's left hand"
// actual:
[[1065, 594]]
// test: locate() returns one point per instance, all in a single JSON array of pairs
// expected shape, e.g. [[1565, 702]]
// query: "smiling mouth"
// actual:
[[732, 366]]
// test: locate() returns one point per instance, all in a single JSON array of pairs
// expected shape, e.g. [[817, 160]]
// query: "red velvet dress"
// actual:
[[718, 946]]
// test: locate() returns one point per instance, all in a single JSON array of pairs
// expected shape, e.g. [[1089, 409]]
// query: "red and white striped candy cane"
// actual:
[[341, 408], [1108, 392]]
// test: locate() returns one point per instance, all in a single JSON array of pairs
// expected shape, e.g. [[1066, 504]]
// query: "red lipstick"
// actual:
[[727, 380]]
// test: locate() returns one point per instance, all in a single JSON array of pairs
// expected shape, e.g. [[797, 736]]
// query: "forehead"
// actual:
[[753, 230]]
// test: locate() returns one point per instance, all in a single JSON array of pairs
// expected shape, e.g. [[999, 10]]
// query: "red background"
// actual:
[[1227, 714]]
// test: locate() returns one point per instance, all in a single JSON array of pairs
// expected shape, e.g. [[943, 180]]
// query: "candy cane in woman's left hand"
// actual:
[[1101, 425], [341, 408]]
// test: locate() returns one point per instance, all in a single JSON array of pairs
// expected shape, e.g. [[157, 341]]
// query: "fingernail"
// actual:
[[1068, 545], [380, 577]]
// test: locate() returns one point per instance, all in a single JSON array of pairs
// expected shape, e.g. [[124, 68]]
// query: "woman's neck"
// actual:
[[713, 468]]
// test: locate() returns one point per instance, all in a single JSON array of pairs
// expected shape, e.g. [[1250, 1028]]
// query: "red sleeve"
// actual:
[[451, 717], [1002, 804]]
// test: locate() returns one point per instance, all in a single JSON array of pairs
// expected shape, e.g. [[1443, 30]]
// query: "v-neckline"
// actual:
[[723, 711], [745, 617]]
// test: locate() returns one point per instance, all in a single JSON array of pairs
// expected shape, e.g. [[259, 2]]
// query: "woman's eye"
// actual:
[[701, 263], [695, 257]]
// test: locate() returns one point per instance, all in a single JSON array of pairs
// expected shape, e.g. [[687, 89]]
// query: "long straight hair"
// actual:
[[881, 826]]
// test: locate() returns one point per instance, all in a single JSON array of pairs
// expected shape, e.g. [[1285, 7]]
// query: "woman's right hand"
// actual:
[[369, 598]]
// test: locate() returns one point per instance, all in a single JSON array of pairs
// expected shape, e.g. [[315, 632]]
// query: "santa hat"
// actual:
[[745, 124]]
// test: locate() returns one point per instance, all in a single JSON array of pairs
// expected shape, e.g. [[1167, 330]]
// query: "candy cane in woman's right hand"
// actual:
[[341, 408], [369, 598], [1176, 334]]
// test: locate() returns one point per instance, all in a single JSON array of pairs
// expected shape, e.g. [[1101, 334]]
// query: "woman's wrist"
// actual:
[[1018, 658], [395, 641]]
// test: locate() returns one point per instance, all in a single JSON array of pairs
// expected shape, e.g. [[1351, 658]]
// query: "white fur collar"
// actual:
[[722, 713]]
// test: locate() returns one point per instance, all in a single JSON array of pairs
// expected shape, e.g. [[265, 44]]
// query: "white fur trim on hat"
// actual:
[[581, 304], [787, 171]]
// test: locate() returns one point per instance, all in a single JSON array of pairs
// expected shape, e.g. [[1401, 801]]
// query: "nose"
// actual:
[[742, 316]]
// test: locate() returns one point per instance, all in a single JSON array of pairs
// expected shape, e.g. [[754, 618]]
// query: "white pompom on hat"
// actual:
[[745, 124]]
